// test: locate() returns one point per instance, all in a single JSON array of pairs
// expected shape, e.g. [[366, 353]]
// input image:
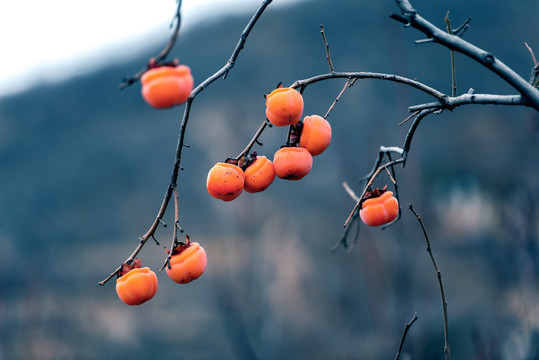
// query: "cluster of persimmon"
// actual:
[[379, 207], [163, 86], [310, 137], [136, 285]]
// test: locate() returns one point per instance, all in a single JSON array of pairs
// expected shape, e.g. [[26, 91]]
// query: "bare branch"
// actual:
[[350, 191], [164, 53], [534, 78], [181, 136], [470, 98], [370, 75], [411, 18], [409, 136], [409, 117], [453, 72], [254, 140], [462, 28], [406, 328], [328, 56], [535, 63], [349, 83], [439, 276]]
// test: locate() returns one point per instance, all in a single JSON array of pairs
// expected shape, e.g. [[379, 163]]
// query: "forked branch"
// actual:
[[181, 136], [410, 17]]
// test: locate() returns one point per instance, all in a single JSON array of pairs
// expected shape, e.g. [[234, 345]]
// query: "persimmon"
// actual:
[[166, 86], [137, 286], [284, 106], [188, 264], [379, 210], [292, 163], [225, 181], [315, 135], [259, 175]]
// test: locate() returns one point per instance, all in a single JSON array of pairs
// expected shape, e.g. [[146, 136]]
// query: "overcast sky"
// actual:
[[54, 39]]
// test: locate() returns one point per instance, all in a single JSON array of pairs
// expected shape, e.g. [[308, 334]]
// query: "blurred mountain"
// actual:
[[84, 167]]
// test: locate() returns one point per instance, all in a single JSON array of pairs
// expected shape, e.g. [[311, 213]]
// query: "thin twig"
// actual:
[[409, 136], [409, 117], [342, 241], [453, 73], [164, 53], [254, 140], [406, 328], [462, 28], [328, 56], [349, 83], [175, 230], [439, 276], [350, 191], [535, 63], [534, 78]]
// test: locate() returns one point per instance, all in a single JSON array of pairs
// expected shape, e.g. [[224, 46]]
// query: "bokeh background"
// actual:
[[84, 166]]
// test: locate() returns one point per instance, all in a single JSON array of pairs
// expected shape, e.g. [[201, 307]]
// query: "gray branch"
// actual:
[[410, 17], [465, 99]]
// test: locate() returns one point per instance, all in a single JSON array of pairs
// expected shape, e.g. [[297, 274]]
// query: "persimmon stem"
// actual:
[[253, 141], [369, 184], [175, 230], [440, 284], [164, 53]]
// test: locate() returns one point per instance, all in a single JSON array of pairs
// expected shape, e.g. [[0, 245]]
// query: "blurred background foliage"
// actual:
[[84, 167]]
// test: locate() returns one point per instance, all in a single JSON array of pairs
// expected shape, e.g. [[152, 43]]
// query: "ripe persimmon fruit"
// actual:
[[225, 181], [284, 106], [259, 175], [292, 163], [166, 86], [137, 286], [315, 135], [379, 210], [188, 264]]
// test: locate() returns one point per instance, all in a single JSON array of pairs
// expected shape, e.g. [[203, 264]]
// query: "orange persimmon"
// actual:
[[225, 181], [315, 135], [137, 286], [284, 106], [292, 163], [259, 175], [376, 211], [187, 265], [166, 86]]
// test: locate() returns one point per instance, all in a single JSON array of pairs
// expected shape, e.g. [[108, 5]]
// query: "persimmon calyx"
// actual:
[[374, 193], [279, 86], [153, 63], [295, 133], [128, 267], [180, 247]]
